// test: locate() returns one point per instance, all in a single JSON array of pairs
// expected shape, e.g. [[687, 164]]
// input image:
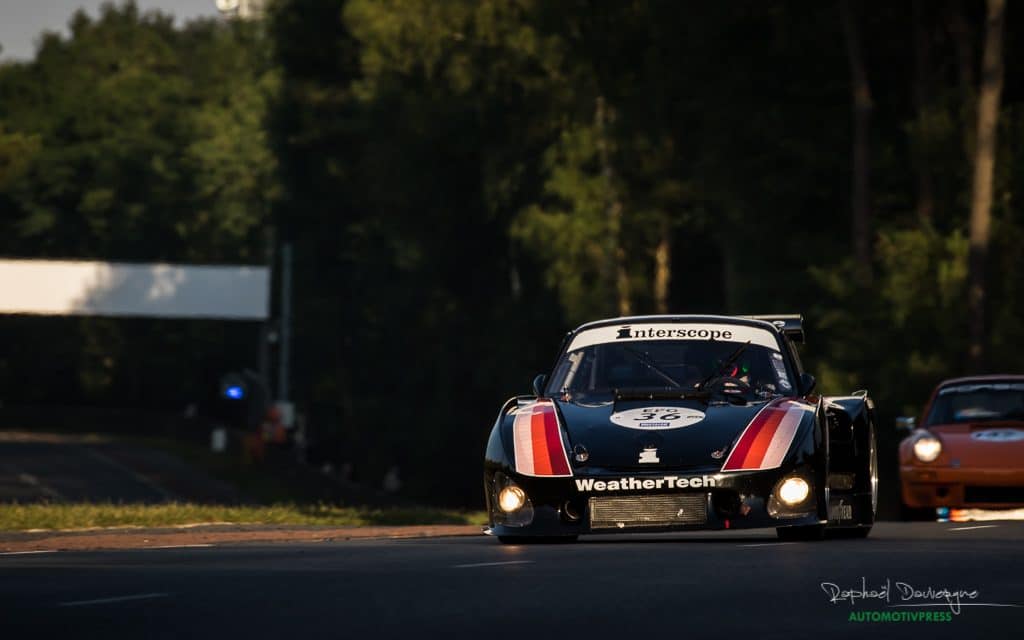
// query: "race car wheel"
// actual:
[[801, 534], [867, 490], [872, 471], [867, 482], [537, 539], [870, 479]]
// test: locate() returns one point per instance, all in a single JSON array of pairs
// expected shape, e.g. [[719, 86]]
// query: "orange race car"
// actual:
[[968, 452]]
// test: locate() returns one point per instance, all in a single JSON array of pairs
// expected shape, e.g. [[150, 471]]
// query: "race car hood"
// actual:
[[993, 444], [652, 435]]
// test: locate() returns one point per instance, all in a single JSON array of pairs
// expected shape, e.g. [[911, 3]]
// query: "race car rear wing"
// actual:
[[791, 325]]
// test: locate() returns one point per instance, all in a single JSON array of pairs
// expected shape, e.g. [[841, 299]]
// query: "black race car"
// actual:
[[673, 423]]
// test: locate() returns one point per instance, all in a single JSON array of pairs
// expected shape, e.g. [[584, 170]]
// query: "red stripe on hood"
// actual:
[[541, 455], [540, 448], [556, 451], [749, 447], [764, 438]]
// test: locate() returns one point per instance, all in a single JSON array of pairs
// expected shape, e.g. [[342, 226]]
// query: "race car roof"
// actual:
[[789, 324]]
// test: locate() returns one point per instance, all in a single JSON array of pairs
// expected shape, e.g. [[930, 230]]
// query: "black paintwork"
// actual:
[[831, 438], [613, 449]]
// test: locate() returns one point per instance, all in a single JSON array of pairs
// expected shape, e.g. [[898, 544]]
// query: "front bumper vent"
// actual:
[[631, 512]]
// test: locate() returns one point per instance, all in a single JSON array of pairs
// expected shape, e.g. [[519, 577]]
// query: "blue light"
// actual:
[[234, 392]]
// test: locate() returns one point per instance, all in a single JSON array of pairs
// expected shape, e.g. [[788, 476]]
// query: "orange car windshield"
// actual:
[[978, 403]]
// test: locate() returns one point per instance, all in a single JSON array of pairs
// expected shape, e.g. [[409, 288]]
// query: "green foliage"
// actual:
[[16, 153], [462, 181], [923, 273], [135, 140], [573, 235], [915, 309]]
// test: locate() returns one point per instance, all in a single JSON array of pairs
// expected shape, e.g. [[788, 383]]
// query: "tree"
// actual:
[[982, 183], [862, 106], [134, 140], [922, 76]]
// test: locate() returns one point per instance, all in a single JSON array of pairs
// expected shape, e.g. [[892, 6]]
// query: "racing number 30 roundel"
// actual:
[[657, 418]]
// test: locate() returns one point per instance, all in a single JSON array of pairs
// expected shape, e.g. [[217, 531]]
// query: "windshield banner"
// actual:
[[675, 331]]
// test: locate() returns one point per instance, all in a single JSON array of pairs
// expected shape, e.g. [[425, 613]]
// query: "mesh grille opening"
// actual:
[[624, 512]]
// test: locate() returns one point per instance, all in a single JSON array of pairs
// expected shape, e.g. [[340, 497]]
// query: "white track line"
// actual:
[[980, 526], [138, 596], [766, 544], [26, 553], [490, 564]]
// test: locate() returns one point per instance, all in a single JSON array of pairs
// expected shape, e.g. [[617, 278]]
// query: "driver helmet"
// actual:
[[739, 369]]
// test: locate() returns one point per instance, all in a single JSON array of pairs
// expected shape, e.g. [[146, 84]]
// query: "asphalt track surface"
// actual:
[[680, 586], [49, 467]]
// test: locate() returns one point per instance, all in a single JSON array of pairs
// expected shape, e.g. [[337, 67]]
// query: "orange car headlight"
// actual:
[[927, 448]]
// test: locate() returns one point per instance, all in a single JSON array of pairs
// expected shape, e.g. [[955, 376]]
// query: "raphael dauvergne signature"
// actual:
[[902, 594]]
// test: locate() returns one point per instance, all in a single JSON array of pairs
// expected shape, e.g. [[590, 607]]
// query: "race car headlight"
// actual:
[[927, 448], [793, 495], [794, 491], [511, 498], [509, 504]]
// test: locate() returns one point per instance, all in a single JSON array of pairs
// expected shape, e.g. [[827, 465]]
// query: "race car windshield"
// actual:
[[603, 369], [978, 403]]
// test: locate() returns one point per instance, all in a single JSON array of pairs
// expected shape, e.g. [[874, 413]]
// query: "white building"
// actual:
[[242, 9]]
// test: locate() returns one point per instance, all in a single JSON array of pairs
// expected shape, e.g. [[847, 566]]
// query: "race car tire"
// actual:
[[801, 534], [537, 539], [869, 476]]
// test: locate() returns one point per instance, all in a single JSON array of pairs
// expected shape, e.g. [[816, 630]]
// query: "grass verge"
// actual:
[[19, 517]]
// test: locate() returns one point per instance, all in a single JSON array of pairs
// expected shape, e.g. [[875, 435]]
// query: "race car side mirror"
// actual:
[[807, 383], [905, 424], [538, 384]]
